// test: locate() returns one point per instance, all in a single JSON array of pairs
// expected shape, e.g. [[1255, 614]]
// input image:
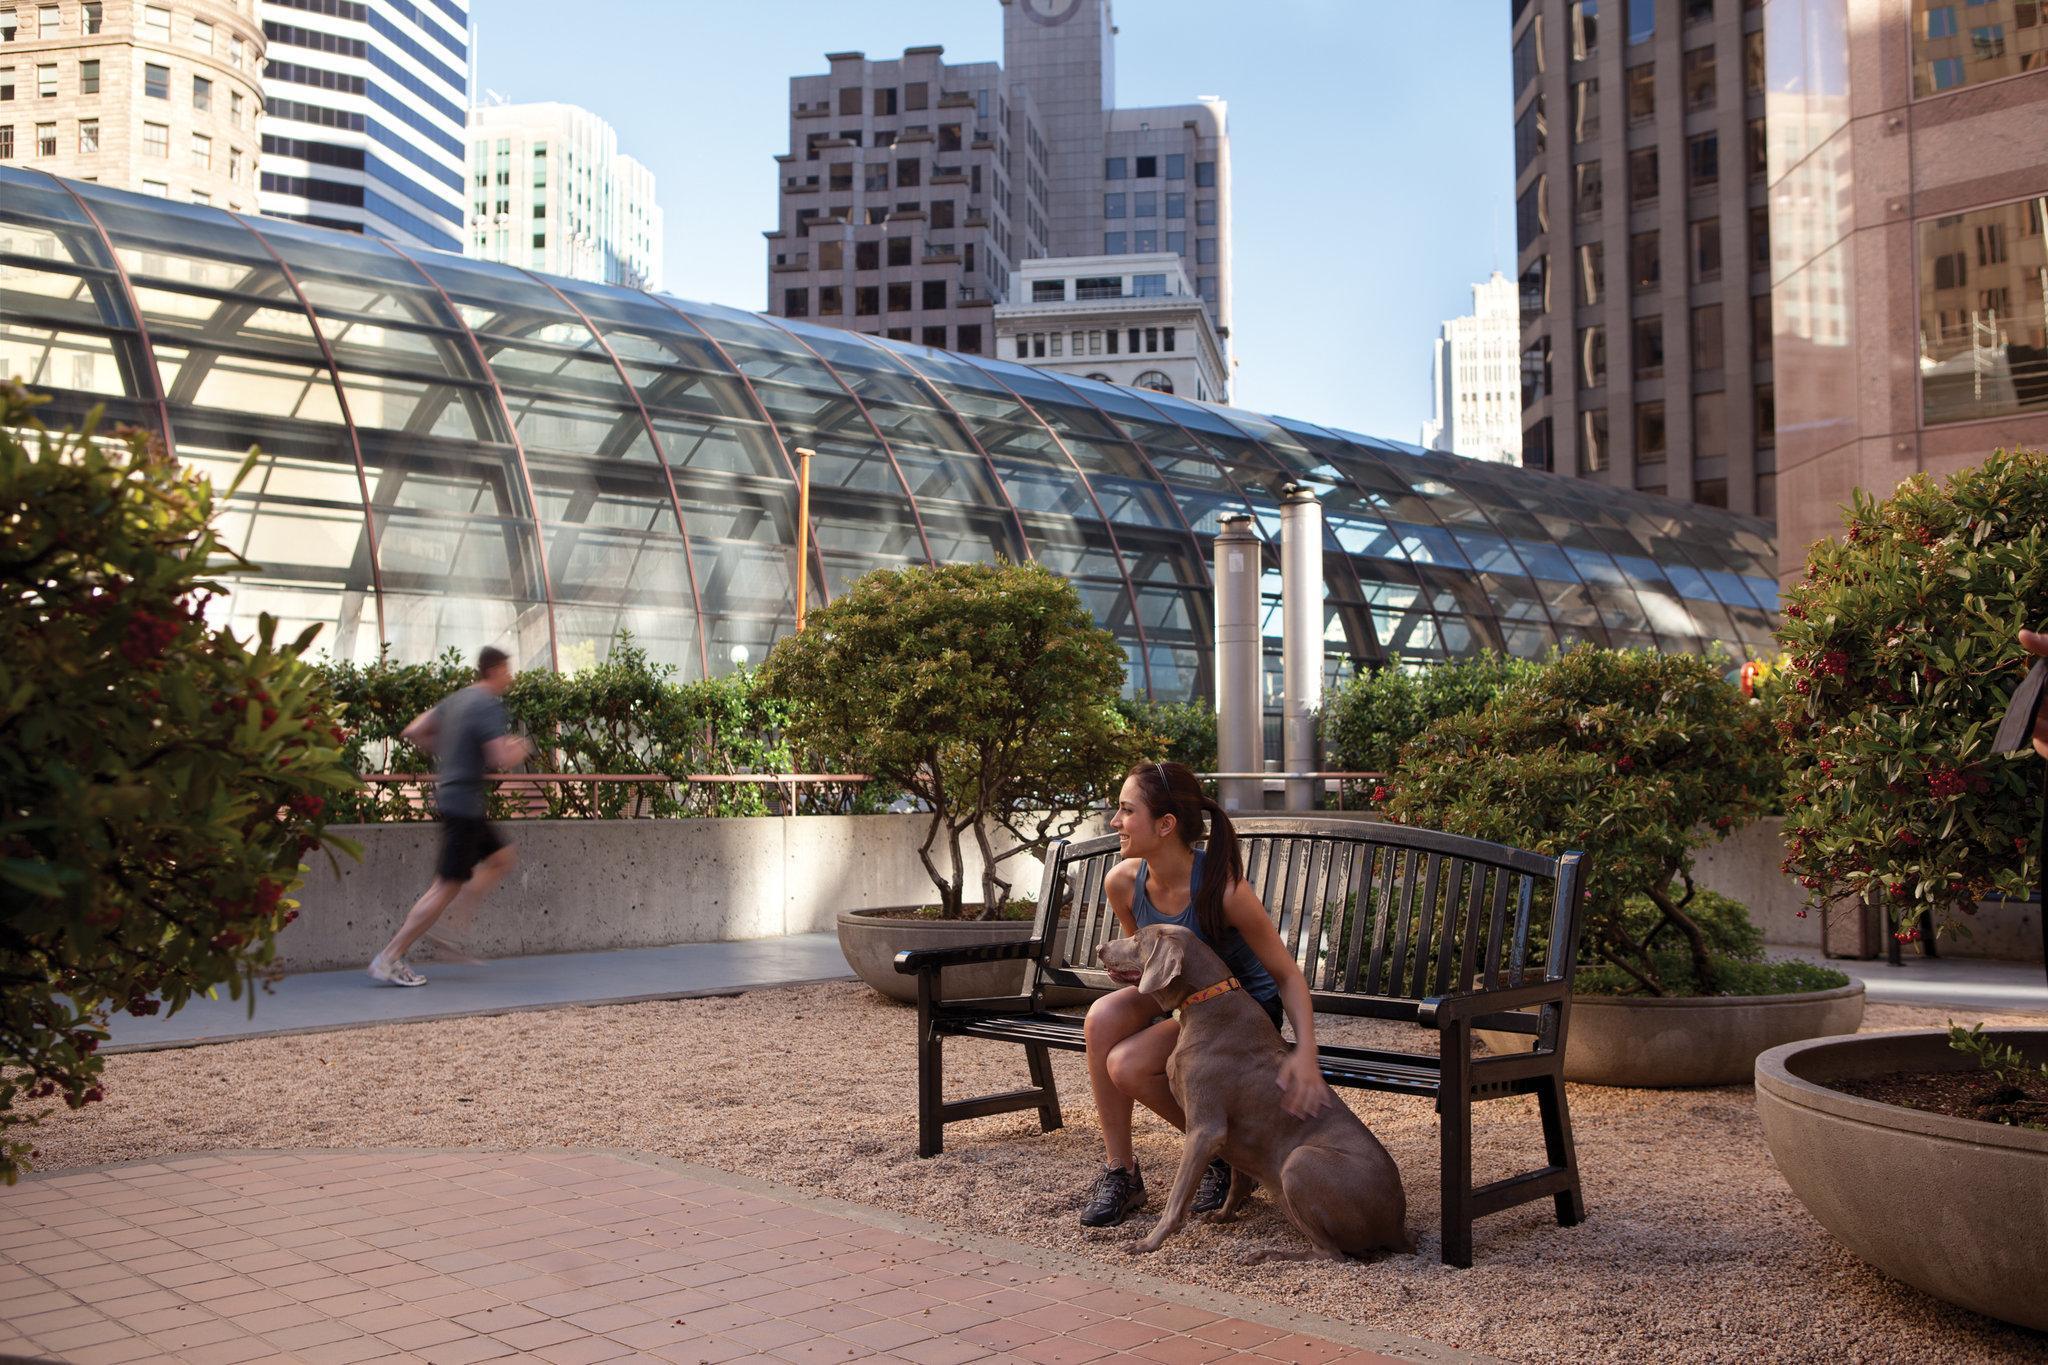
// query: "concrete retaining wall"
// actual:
[[592, 884], [1745, 866]]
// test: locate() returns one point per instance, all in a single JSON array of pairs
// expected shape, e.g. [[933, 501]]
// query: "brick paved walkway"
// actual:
[[562, 1256]]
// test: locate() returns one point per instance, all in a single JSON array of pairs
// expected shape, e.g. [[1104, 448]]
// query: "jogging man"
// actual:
[[467, 732]]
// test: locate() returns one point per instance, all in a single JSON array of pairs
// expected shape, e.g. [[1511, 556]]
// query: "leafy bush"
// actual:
[[1904, 654], [1635, 757], [1735, 948], [1185, 732], [625, 715], [1370, 716], [161, 780], [985, 691]]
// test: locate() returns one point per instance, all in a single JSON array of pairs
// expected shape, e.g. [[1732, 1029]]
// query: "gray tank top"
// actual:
[[1244, 964]]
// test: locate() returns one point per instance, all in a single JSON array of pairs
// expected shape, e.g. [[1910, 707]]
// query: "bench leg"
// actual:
[[931, 1090], [1041, 1078], [1557, 1146], [1454, 1129]]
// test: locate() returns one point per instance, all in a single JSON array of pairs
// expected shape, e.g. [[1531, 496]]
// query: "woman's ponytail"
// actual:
[[1222, 868]]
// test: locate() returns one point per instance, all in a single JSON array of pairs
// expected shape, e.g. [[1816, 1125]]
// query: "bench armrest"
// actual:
[[912, 961], [1439, 1010]]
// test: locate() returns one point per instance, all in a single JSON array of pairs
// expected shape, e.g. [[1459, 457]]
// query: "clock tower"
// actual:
[[1062, 52]]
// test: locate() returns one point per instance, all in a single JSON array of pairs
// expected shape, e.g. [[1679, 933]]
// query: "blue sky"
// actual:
[[1371, 142]]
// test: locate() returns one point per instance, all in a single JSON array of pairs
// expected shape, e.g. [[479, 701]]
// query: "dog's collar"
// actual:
[[1222, 987]]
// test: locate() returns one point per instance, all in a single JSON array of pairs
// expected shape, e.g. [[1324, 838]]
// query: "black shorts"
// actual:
[[466, 840], [1273, 1009]]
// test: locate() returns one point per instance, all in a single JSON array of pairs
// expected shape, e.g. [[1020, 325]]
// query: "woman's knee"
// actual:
[[1110, 1020], [1131, 1069]]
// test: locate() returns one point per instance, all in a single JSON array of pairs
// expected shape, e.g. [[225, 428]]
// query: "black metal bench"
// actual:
[[1386, 922]]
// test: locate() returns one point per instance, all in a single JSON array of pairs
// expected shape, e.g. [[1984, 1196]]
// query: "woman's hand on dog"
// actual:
[[1303, 1091]]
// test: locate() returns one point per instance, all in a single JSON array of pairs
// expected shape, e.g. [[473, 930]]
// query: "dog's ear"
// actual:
[[1165, 956]]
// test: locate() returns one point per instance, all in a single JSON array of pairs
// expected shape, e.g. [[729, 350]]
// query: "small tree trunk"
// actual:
[[1696, 939], [991, 889], [949, 891]]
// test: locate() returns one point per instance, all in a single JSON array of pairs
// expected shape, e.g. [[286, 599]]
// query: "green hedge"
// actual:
[[625, 715]]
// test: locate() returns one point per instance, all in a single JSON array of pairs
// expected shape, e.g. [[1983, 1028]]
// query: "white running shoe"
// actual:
[[395, 973]]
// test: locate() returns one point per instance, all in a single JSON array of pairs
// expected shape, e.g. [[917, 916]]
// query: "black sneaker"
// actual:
[[1214, 1189], [1117, 1195]]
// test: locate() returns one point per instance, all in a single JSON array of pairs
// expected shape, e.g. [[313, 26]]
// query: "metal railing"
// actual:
[[613, 796], [1335, 784]]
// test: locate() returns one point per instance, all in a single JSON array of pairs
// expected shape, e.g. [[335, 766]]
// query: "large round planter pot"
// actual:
[[1951, 1206], [872, 938], [1660, 1043]]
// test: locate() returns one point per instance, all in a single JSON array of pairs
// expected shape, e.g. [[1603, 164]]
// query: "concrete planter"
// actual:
[[1953, 1207], [872, 938], [1661, 1043]]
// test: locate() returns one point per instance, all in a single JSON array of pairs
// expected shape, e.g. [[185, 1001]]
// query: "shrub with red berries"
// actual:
[[1902, 633], [161, 779]]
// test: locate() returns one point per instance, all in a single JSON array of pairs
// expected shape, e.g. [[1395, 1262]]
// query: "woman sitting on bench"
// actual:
[[1162, 813]]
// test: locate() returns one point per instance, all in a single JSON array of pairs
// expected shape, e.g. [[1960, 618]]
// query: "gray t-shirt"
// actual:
[[467, 721]]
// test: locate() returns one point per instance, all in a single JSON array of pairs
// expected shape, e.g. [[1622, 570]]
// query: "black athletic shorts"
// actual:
[[1273, 1008], [466, 840]]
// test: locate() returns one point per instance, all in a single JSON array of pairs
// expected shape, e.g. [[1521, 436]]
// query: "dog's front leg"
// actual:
[[1204, 1141]]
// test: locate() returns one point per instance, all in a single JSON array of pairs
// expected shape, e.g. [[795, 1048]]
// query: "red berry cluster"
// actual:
[[1907, 935], [1834, 663], [1897, 890], [146, 637], [307, 805], [1946, 782]]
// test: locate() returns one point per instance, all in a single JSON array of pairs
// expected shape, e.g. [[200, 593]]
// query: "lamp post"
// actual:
[[2015, 735], [803, 528]]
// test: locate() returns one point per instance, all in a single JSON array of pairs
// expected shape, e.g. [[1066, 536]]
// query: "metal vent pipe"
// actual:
[[1239, 723], [1301, 639]]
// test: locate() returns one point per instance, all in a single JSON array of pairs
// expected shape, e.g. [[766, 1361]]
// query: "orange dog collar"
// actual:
[[1222, 987]]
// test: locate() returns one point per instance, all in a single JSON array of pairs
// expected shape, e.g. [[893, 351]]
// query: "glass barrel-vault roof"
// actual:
[[457, 453]]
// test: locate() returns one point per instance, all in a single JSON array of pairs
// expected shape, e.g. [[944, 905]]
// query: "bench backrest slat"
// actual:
[[1365, 908]]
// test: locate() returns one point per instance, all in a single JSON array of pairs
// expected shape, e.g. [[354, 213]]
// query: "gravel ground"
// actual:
[[1693, 1249]]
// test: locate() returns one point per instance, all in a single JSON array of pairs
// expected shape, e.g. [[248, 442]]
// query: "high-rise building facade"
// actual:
[[364, 116], [550, 190], [1133, 320], [1476, 376], [159, 98], [1644, 241], [913, 188], [1909, 206]]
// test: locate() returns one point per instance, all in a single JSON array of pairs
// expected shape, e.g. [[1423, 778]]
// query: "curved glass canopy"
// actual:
[[457, 453]]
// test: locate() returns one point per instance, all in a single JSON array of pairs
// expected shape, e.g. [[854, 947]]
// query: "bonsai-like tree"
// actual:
[[1636, 757], [159, 780], [1903, 643], [986, 692], [1371, 715]]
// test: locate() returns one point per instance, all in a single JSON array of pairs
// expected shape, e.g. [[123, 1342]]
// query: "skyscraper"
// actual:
[[137, 96], [1645, 310], [913, 188], [364, 113], [550, 190], [1477, 381]]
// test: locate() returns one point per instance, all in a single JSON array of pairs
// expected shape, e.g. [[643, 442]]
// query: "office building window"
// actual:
[[1642, 93], [1766, 416], [1176, 206], [1592, 353], [1059, 345], [867, 301], [1954, 46], [1585, 110], [156, 81], [49, 21], [1205, 213], [917, 95], [1147, 168], [949, 137], [1759, 238], [1753, 62], [1585, 22], [1112, 206], [6, 142], [899, 251], [156, 139], [1177, 243], [6, 84], [88, 136], [237, 51], [1703, 162], [867, 255], [943, 213], [1145, 239], [1642, 176], [1706, 338], [89, 77], [1176, 166], [1941, 21], [1166, 338], [1206, 287], [935, 337], [161, 189], [1048, 291], [1145, 205], [1709, 425], [1645, 266], [1529, 56], [1649, 432], [1531, 134], [1113, 244], [831, 300], [1592, 274], [1760, 327], [1023, 346], [832, 255], [1205, 251], [969, 342], [1646, 348], [1642, 21], [201, 197], [1706, 250], [95, 17], [1698, 12], [156, 24], [46, 80], [235, 165], [202, 94], [46, 139], [1758, 149], [1983, 338], [1532, 213], [849, 100], [885, 100], [1205, 175], [1698, 79], [1593, 441], [796, 303], [202, 35], [934, 294], [202, 152], [1116, 168], [1535, 371], [1586, 190], [1534, 288]]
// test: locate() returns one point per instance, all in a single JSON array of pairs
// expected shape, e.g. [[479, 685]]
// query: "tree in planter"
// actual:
[[1635, 757], [160, 781], [1902, 637], [986, 692], [1184, 732], [1370, 716]]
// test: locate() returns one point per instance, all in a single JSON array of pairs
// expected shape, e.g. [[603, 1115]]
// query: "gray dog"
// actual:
[[1330, 1175]]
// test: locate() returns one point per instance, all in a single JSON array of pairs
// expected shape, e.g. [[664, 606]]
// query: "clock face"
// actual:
[[1051, 11]]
